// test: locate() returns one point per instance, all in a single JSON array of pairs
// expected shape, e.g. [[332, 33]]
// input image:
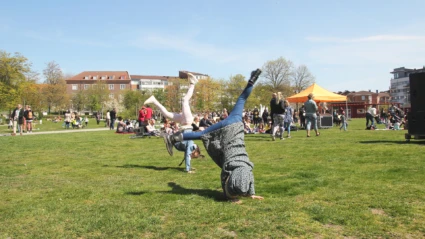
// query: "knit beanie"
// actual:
[[239, 182]]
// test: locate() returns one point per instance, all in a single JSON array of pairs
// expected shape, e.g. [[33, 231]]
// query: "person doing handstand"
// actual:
[[185, 119], [224, 142]]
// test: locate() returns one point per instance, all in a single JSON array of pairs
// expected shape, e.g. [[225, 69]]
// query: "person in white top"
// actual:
[[186, 117], [370, 116]]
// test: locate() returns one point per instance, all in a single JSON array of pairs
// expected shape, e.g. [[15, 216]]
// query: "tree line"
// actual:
[[20, 84]]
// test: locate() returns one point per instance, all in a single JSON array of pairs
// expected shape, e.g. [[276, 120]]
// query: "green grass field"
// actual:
[[354, 184]]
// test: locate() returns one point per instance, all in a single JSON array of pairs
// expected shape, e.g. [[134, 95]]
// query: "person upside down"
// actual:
[[224, 142]]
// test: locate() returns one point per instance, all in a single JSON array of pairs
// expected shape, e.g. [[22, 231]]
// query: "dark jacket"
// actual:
[[205, 123], [113, 114], [276, 108], [20, 116]]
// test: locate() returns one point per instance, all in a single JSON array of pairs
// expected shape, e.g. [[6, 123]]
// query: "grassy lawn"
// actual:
[[354, 184]]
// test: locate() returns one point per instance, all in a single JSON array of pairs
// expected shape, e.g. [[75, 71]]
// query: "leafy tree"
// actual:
[[56, 86], [234, 87], [13, 70], [132, 101], [96, 95], [79, 100]]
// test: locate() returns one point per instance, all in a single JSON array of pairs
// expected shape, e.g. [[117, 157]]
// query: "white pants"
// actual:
[[15, 124]]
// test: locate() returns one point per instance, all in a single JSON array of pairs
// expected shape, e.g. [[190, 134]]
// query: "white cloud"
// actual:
[[188, 44], [377, 38]]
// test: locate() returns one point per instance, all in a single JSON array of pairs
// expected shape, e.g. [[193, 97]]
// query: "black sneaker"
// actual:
[[168, 143], [254, 76]]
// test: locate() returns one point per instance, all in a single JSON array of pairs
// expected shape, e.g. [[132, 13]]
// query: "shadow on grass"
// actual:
[[177, 189], [422, 142], [181, 169], [208, 193]]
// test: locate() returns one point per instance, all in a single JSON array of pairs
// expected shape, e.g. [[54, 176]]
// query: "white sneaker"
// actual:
[[150, 100], [192, 78]]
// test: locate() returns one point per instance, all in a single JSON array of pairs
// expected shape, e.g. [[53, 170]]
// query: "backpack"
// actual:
[[30, 114]]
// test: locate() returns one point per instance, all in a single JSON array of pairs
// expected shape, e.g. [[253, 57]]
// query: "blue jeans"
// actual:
[[234, 116], [369, 117], [186, 146], [287, 125], [311, 121], [343, 125], [112, 124]]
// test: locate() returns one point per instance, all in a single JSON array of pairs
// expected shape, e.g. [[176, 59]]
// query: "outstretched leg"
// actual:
[[235, 115], [187, 117], [174, 116]]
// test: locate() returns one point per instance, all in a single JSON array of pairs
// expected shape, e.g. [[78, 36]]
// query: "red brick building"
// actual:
[[116, 81]]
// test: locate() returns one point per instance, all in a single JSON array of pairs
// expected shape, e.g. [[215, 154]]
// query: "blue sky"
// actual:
[[347, 45]]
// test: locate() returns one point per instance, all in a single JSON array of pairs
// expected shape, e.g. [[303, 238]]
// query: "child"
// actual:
[[344, 123], [185, 119], [224, 142]]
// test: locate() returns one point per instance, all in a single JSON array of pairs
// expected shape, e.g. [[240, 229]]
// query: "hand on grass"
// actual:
[[257, 197]]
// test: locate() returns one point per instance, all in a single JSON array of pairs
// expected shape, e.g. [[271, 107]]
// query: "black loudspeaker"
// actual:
[[416, 122], [417, 91], [326, 121], [416, 116]]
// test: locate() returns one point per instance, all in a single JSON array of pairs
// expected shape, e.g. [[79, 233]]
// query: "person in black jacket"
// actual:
[[277, 110], [205, 122], [18, 119], [113, 115]]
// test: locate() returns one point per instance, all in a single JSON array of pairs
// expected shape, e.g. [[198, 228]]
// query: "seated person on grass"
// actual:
[[150, 127], [121, 126]]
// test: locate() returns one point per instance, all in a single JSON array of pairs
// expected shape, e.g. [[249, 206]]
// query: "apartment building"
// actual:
[[116, 81], [400, 86]]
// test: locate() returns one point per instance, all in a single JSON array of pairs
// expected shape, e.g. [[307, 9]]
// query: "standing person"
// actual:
[[86, 120], [108, 119], [142, 116], [370, 116], [67, 119], [224, 142], [98, 117], [257, 118], [28, 114], [18, 119], [311, 114], [289, 116], [277, 110], [149, 112], [113, 115], [301, 114], [265, 116], [344, 123]]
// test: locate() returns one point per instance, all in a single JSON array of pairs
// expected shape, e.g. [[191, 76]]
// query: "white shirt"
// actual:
[[372, 111]]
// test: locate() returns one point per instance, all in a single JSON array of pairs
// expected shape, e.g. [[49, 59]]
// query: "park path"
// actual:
[[57, 131]]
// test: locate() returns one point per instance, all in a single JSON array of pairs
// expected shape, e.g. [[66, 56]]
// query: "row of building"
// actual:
[[118, 81]]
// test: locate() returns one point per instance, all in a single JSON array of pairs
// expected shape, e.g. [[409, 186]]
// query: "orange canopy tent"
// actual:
[[320, 95]]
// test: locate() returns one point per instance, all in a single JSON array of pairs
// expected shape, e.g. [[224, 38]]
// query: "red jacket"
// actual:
[[142, 115], [148, 113]]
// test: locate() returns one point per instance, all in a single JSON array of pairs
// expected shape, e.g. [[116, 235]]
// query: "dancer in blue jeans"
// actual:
[[224, 142]]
